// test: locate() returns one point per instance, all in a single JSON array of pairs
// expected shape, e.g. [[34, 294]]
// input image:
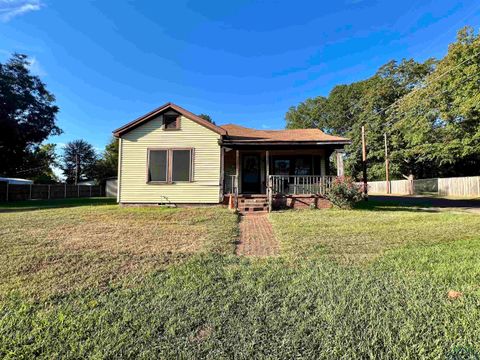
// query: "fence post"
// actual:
[[78, 190], [90, 190], [410, 185], [30, 193], [65, 191], [6, 197], [49, 192]]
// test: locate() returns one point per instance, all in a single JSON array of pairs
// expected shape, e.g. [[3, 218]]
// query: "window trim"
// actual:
[[149, 150], [169, 169], [177, 122]]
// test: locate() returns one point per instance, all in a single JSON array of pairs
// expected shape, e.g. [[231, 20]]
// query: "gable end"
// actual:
[[162, 109]]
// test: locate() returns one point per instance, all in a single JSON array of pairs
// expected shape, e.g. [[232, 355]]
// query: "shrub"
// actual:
[[344, 193]]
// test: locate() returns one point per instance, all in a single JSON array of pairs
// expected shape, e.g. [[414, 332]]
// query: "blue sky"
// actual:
[[108, 62]]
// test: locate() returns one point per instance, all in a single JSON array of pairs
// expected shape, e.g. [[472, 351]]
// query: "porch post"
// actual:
[[267, 165], [237, 170], [340, 170], [222, 173]]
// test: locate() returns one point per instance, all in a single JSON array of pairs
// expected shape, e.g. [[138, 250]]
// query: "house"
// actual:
[[172, 156]]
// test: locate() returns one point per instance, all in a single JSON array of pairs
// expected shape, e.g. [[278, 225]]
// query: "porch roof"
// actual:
[[242, 135]]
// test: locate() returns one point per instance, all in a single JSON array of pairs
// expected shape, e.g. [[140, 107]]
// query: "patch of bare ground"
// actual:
[[56, 251]]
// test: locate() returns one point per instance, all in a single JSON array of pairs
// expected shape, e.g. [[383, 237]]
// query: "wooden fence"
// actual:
[[459, 186], [17, 192], [464, 186], [399, 187]]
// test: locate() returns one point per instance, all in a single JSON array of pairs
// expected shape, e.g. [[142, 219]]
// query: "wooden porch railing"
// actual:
[[297, 185], [234, 189], [300, 184]]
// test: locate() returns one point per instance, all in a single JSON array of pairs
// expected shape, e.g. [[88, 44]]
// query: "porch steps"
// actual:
[[257, 204]]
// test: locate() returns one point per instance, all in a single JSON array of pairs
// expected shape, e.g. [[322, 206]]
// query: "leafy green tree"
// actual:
[[348, 107], [27, 115], [207, 117], [437, 127], [107, 165], [41, 162], [78, 161]]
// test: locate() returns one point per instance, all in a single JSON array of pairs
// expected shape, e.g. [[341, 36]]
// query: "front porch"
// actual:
[[272, 178]]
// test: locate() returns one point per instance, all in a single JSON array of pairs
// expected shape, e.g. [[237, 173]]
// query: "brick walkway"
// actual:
[[256, 236]]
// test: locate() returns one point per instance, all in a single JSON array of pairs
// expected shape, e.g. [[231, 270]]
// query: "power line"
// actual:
[[383, 110], [32, 169], [437, 78]]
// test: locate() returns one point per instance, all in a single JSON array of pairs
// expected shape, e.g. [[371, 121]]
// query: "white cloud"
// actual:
[[35, 67], [12, 8]]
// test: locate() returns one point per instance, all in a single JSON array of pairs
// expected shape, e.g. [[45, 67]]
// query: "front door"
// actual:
[[251, 174]]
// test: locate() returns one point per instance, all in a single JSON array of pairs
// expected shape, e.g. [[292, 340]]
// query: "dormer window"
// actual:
[[171, 122]]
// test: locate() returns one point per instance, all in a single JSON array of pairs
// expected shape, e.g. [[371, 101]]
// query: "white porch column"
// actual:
[[340, 169]]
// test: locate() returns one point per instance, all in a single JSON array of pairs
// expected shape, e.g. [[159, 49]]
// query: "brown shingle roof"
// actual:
[[237, 133], [243, 134]]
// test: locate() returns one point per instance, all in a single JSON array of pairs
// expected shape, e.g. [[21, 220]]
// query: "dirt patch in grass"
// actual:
[[61, 249]]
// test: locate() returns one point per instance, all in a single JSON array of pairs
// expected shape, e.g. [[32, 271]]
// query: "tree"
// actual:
[[107, 165], [437, 128], [78, 161], [40, 162], [27, 115], [348, 107], [207, 117]]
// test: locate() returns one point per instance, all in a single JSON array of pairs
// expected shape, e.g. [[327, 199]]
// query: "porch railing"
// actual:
[[231, 188], [300, 184]]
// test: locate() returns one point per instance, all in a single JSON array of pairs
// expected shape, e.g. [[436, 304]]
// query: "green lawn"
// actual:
[[100, 281]]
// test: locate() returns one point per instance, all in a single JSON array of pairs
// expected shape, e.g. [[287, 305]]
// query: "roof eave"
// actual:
[[286, 142]]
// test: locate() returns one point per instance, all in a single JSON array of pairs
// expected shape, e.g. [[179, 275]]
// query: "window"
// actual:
[[296, 165], [181, 165], [171, 122], [157, 165], [170, 165], [281, 166], [303, 165]]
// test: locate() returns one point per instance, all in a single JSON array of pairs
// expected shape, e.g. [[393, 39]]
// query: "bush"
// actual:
[[344, 193]]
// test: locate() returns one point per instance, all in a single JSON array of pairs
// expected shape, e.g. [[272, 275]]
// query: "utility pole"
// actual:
[[364, 164], [387, 164], [77, 167]]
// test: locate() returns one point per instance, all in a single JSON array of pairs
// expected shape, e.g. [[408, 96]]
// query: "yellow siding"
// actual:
[[206, 185]]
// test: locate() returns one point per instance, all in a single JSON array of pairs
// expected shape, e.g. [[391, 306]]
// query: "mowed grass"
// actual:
[[354, 237], [54, 247], [336, 291]]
